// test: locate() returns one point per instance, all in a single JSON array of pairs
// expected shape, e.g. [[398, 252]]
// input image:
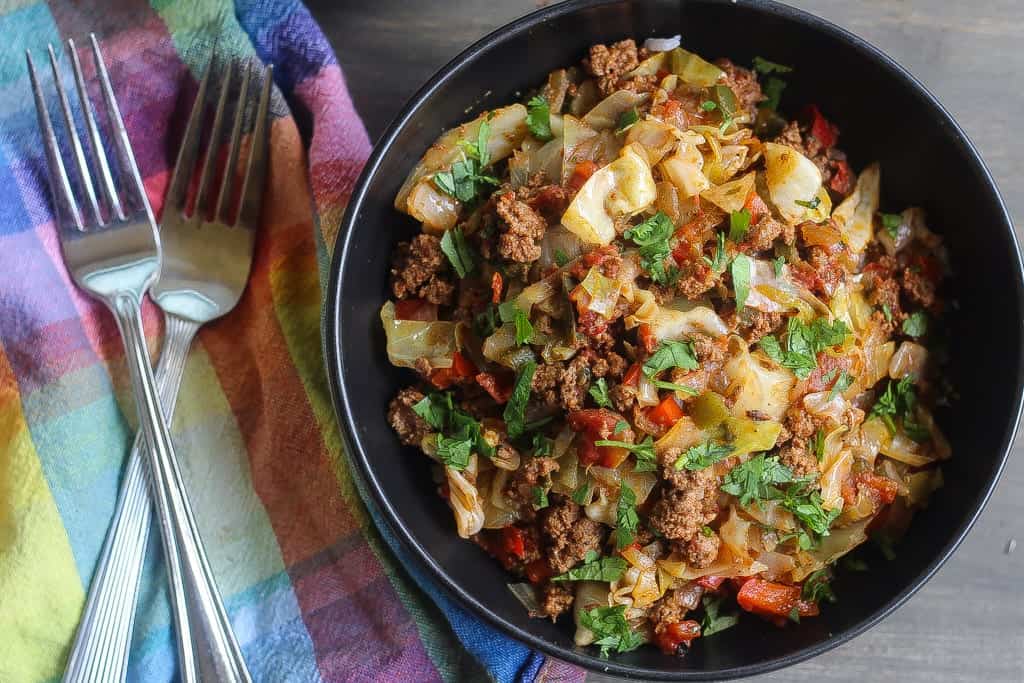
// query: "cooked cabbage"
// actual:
[[409, 340], [622, 188], [755, 383], [693, 70], [669, 323], [683, 169], [655, 138], [436, 210], [791, 177], [731, 196], [466, 502], [855, 215], [607, 112], [909, 359]]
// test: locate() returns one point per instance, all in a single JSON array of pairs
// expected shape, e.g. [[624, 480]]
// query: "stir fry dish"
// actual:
[[673, 360]]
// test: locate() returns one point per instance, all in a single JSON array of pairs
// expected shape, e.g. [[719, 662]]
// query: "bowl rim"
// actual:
[[341, 399]]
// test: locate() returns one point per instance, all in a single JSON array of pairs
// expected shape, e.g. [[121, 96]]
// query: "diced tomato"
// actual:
[[581, 174], [586, 451], [842, 179], [462, 369], [806, 275], [676, 634], [597, 422], [883, 487], [632, 375], [605, 258], [538, 571], [591, 324], [821, 128], [771, 599], [496, 285], [711, 583], [415, 309], [756, 207], [828, 371], [512, 541], [666, 413], [499, 390], [647, 338]]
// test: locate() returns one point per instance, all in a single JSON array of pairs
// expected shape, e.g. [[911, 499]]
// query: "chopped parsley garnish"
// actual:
[[703, 455], [725, 98], [646, 460], [818, 445], [794, 615], [626, 519], [611, 630], [524, 329], [803, 343], [773, 88], [466, 181], [561, 258], [816, 587], [539, 494], [899, 402], [671, 354], [672, 386], [741, 267], [620, 427], [595, 568], [719, 256], [541, 445], [714, 621], [582, 493], [739, 223], [778, 264], [627, 119], [538, 118], [843, 383], [599, 392], [916, 325], [516, 406], [891, 222], [458, 251], [707, 531], [887, 312], [763, 66], [652, 237], [756, 479], [708, 105], [812, 203], [460, 433]]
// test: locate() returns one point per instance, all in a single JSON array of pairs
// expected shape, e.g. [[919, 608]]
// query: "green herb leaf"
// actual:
[[773, 88], [703, 455], [432, 410], [714, 621], [778, 264], [844, 382], [739, 223], [756, 479], [524, 330], [627, 119], [460, 432], [538, 118], [719, 256], [916, 325], [620, 427], [582, 493], [892, 222], [763, 66], [803, 343], [671, 354], [818, 445], [646, 460], [561, 258], [599, 391], [809, 203], [540, 497], [898, 401], [516, 406], [708, 105], [741, 267], [595, 568], [672, 386], [794, 615], [626, 519], [816, 587], [887, 312], [465, 180], [541, 445], [611, 630], [652, 237], [458, 251], [725, 98]]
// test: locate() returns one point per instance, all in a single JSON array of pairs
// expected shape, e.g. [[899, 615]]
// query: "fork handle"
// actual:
[[199, 611]]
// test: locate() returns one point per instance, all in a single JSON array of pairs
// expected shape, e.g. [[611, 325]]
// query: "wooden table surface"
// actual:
[[967, 624]]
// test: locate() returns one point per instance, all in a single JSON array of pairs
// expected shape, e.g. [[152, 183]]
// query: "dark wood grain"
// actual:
[[967, 624]]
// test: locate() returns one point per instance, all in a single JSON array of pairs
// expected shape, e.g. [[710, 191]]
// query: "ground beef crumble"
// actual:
[[689, 500], [610, 63], [420, 269], [555, 599], [567, 534], [521, 230], [410, 427]]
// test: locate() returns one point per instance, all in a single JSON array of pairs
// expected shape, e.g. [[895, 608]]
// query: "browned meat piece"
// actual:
[[410, 427], [644, 424], [698, 281], [568, 535], [665, 612], [918, 288], [830, 273], [701, 550], [799, 422], [617, 365], [419, 269], [574, 382], [688, 503], [886, 292], [608, 64], [555, 599], [707, 349], [623, 397], [545, 383], [639, 84], [762, 235], [761, 323], [522, 229], [743, 84], [531, 472], [798, 458]]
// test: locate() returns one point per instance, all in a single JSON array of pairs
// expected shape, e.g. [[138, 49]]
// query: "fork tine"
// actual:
[[99, 157], [131, 180], [178, 189], [255, 175], [212, 147], [76, 144], [220, 213], [67, 210]]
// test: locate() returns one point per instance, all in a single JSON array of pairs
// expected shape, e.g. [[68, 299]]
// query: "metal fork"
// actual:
[[116, 259]]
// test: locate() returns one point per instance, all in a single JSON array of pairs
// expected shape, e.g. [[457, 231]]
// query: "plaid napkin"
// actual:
[[313, 590]]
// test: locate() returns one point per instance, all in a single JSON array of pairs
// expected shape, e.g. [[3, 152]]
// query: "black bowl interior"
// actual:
[[884, 115]]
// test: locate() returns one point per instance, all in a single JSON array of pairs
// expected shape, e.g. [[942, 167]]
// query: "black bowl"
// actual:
[[885, 115]]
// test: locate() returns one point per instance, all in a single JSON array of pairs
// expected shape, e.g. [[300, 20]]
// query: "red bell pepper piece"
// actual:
[[676, 634], [666, 413], [646, 337], [632, 375], [883, 487], [581, 174], [824, 130], [462, 369], [771, 599], [512, 541]]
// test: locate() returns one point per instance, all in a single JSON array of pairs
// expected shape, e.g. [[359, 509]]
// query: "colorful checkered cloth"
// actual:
[[312, 589]]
